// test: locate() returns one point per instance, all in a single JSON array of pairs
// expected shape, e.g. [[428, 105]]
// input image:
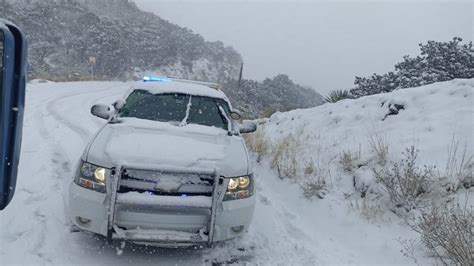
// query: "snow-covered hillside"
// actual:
[[437, 119], [288, 229], [431, 116]]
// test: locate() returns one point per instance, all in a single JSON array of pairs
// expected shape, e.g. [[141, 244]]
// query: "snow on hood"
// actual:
[[142, 142]]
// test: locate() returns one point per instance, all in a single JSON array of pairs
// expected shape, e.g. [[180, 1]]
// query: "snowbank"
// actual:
[[431, 116], [346, 227]]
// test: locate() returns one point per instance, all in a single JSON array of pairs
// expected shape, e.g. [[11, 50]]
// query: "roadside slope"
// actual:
[[308, 145]]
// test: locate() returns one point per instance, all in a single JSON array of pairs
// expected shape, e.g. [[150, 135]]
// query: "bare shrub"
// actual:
[[257, 143], [287, 156], [349, 160], [459, 167], [407, 185], [379, 145], [409, 248], [447, 232]]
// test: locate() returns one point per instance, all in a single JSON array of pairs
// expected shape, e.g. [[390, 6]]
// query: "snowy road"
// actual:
[[287, 229]]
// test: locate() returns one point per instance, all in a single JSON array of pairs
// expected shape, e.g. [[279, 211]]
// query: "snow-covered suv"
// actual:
[[169, 168]]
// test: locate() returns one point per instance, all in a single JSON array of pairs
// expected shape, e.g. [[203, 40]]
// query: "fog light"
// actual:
[[237, 229], [83, 220]]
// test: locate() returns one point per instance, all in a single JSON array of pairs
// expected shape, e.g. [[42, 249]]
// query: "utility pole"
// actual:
[[240, 75], [92, 62]]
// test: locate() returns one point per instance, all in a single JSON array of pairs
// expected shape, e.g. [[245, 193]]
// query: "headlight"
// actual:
[[233, 184], [244, 181], [239, 188], [99, 174], [91, 176]]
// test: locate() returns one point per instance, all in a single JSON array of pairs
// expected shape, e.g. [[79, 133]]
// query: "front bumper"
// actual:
[[88, 211]]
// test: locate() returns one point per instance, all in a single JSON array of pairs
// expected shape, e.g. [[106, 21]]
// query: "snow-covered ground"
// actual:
[[288, 229]]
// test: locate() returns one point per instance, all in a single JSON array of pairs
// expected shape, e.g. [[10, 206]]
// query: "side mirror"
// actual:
[[235, 115], [13, 52], [247, 127], [103, 111], [118, 104]]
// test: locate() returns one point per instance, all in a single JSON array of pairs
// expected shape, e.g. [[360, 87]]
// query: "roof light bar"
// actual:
[[155, 79], [169, 79]]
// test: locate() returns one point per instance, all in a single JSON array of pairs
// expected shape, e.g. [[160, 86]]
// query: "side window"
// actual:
[[205, 111], [132, 102]]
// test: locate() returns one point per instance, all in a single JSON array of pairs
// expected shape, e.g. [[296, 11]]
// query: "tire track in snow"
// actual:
[[65, 120], [40, 237], [60, 166], [274, 237]]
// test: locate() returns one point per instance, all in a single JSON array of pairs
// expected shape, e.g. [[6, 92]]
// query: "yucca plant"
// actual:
[[337, 95]]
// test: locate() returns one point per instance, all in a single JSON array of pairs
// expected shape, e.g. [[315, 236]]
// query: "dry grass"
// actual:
[[290, 161], [287, 156], [459, 166], [379, 146], [316, 182], [257, 143], [314, 187], [309, 168], [349, 160], [368, 209], [268, 112]]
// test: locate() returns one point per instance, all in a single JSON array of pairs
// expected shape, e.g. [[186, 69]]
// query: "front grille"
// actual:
[[165, 183]]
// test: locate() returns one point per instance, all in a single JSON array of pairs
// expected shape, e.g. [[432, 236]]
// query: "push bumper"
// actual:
[[88, 210]]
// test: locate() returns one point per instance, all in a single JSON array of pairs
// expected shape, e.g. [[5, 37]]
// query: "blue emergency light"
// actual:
[[155, 79]]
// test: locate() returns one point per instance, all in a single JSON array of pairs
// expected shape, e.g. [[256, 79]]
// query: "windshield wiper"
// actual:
[[188, 108]]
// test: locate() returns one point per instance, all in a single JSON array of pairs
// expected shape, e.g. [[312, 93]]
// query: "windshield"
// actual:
[[179, 108]]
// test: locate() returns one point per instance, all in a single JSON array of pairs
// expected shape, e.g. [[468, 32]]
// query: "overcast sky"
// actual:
[[319, 44]]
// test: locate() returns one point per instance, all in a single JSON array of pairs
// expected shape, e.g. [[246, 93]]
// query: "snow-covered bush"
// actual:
[[447, 232], [407, 185], [364, 181]]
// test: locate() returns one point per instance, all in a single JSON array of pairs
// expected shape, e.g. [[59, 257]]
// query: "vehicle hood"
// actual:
[[139, 142]]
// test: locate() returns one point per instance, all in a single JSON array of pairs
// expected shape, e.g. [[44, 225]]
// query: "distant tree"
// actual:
[[280, 93], [439, 61]]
